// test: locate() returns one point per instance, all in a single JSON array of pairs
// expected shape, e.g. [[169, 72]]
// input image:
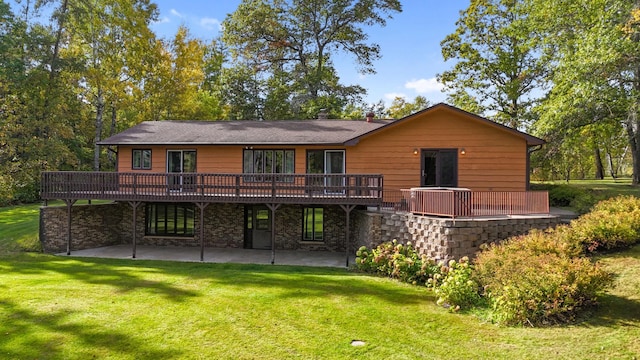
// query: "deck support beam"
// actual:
[[69, 204], [134, 205], [273, 208], [202, 206], [347, 209]]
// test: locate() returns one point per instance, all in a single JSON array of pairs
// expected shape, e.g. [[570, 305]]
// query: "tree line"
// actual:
[[565, 70], [73, 72]]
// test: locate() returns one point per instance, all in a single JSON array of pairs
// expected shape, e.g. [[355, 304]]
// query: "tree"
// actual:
[[299, 37], [400, 107], [497, 67], [594, 46]]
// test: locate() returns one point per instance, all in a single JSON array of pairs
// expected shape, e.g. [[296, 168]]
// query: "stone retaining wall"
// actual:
[[441, 238]]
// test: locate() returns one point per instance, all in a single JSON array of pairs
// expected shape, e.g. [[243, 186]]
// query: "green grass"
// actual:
[[602, 188], [70, 308], [19, 227], [66, 308]]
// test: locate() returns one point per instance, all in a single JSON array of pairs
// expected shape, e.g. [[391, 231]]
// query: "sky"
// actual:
[[410, 43]]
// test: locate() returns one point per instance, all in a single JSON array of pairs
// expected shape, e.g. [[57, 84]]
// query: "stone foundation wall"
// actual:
[[91, 226], [444, 239]]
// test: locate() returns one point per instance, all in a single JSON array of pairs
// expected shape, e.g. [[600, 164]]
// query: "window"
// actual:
[[141, 159], [328, 162], [169, 219], [268, 162], [312, 224]]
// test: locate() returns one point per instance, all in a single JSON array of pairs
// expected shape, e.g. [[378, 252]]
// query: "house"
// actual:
[[279, 184]]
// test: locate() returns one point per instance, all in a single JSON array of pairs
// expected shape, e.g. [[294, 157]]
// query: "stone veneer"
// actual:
[[439, 238], [92, 226], [111, 224], [443, 238]]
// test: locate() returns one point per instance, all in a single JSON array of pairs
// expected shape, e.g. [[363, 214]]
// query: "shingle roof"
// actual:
[[282, 132], [285, 132]]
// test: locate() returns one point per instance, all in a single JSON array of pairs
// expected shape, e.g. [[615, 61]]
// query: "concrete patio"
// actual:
[[218, 255]]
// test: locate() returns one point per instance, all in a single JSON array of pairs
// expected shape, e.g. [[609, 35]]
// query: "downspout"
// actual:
[[530, 150]]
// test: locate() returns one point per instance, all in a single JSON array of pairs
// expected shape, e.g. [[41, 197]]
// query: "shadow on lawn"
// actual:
[[120, 275], [616, 311], [22, 337], [286, 281]]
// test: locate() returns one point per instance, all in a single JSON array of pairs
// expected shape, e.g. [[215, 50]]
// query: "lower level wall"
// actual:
[[111, 224], [91, 226], [441, 238]]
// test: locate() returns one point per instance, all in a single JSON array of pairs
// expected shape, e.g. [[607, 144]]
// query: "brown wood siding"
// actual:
[[495, 160]]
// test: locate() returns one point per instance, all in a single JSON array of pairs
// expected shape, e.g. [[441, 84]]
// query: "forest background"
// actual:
[[73, 72]]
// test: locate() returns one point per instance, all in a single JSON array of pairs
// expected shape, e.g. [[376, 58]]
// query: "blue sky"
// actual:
[[410, 43]]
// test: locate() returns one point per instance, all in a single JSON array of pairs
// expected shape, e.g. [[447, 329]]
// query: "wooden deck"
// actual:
[[346, 189]]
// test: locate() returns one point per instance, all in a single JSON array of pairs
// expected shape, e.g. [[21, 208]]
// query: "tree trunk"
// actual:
[[631, 126], [612, 170], [112, 131], [599, 167], [98, 137]]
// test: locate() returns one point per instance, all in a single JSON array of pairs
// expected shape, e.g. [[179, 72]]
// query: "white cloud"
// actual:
[[422, 86], [163, 20], [210, 23], [175, 12], [392, 96]]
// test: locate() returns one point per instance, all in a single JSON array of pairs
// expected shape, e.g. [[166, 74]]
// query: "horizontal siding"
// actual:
[[495, 159]]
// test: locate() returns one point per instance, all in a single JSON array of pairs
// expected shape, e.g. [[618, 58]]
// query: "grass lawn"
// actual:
[[65, 308], [602, 188], [79, 308]]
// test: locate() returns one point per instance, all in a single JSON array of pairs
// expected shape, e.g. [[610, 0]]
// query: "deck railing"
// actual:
[[465, 203], [365, 189]]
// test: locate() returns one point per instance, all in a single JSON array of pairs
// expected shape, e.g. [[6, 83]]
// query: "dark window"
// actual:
[[141, 159], [440, 168], [312, 224], [266, 161], [169, 219]]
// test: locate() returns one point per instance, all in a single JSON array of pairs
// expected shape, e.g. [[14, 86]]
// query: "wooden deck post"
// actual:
[[69, 204], [347, 209], [273, 208], [134, 205], [202, 206]]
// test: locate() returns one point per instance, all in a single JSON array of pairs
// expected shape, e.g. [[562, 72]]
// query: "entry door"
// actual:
[[180, 162], [334, 164], [439, 168], [257, 229]]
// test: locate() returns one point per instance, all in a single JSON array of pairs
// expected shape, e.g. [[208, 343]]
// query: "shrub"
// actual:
[[612, 223], [528, 281], [563, 195], [454, 286], [397, 261]]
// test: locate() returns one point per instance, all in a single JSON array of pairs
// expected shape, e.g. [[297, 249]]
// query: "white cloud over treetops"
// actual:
[[422, 86], [210, 23]]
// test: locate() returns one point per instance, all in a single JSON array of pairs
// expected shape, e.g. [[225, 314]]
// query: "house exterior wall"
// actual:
[[112, 224], [91, 226], [495, 160]]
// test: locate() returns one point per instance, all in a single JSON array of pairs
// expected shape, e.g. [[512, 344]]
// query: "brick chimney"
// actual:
[[370, 116]]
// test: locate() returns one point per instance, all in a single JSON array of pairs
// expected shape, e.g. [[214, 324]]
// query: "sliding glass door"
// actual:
[[180, 163]]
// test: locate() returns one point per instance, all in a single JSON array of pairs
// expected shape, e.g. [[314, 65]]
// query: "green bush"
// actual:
[[563, 195], [528, 280], [454, 286], [612, 224], [397, 261]]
